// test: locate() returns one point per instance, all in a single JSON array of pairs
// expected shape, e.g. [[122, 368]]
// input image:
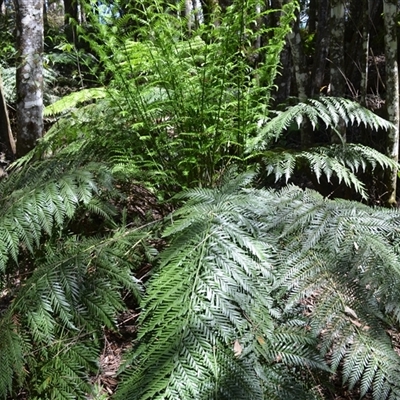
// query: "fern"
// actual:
[[326, 110], [172, 96], [211, 306], [341, 162], [340, 254], [72, 100], [212, 292], [61, 309], [60, 286], [40, 198]]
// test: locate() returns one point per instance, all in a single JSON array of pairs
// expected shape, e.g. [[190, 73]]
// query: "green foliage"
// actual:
[[62, 289], [210, 327], [344, 257], [328, 111], [191, 99], [341, 162], [199, 102], [72, 100], [225, 314]]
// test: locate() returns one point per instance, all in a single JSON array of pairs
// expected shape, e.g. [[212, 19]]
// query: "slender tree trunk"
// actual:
[[299, 60], [71, 10], [321, 48], [302, 77], [392, 94], [71, 19], [337, 62], [29, 74], [312, 16], [6, 137], [283, 80], [365, 53]]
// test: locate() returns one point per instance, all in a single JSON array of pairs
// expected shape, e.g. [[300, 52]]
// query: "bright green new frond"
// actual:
[[72, 100]]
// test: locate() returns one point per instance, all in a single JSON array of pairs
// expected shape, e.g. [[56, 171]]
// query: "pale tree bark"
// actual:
[[338, 135], [29, 18], [194, 14], [299, 60], [392, 94]]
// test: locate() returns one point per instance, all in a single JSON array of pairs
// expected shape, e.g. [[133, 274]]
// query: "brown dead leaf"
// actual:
[[237, 348]]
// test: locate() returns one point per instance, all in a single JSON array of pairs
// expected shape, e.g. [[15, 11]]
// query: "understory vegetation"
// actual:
[[252, 288]]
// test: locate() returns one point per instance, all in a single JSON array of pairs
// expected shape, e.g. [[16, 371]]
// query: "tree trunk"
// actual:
[[302, 77], [71, 10], [337, 62], [321, 48], [312, 16], [6, 137], [392, 94], [299, 60], [365, 53], [283, 80], [71, 19], [29, 18]]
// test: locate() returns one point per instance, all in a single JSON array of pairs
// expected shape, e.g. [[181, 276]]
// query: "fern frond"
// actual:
[[72, 100], [340, 161], [212, 290], [338, 255], [39, 199], [325, 110], [12, 349], [62, 308]]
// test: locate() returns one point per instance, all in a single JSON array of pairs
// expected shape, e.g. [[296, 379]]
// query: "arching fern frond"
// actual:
[[74, 290], [72, 100], [326, 110], [340, 161], [41, 197], [338, 255], [209, 327]]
